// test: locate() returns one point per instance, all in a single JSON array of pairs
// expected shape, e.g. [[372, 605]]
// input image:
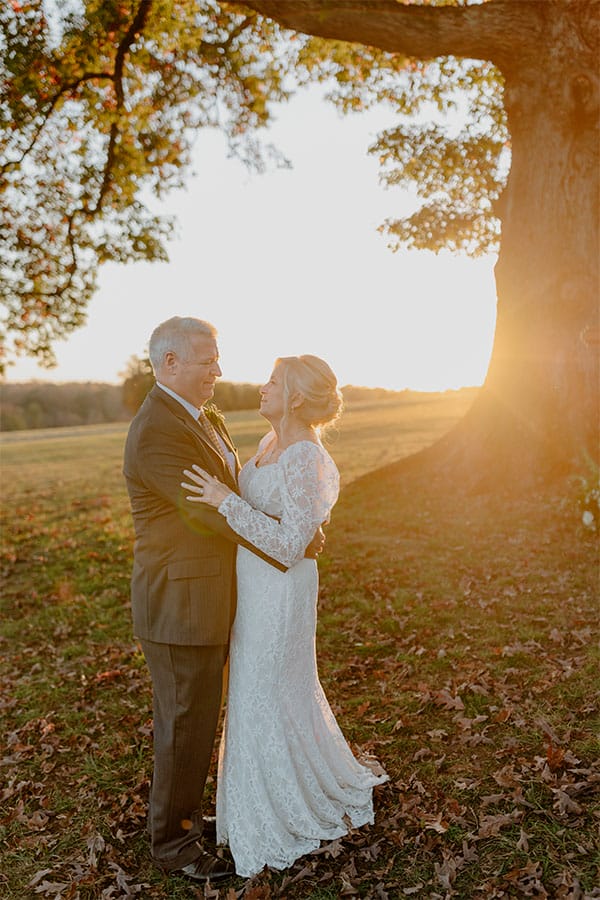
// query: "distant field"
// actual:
[[369, 435]]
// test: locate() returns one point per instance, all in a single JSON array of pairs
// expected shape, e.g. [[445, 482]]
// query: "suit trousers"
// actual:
[[187, 691]]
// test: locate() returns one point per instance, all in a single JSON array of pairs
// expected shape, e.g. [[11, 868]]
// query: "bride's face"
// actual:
[[271, 397]]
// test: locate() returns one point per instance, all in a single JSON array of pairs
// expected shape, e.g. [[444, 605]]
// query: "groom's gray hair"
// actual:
[[174, 335]]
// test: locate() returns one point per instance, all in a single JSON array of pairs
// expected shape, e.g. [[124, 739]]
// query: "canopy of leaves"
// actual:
[[99, 107], [99, 104]]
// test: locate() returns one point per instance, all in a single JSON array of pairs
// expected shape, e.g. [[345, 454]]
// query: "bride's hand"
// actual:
[[205, 488]]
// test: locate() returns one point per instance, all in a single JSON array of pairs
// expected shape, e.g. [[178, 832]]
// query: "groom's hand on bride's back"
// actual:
[[316, 545]]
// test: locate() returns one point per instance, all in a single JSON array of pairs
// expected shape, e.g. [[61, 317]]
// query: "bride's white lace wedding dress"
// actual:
[[287, 778]]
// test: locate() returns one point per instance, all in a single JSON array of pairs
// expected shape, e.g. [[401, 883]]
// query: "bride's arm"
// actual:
[[205, 488], [161, 457], [310, 488]]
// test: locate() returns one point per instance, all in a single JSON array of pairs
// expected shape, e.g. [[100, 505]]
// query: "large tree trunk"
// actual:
[[538, 411]]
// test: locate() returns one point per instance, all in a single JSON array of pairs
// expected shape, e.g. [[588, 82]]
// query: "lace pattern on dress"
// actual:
[[287, 778], [309, 489]]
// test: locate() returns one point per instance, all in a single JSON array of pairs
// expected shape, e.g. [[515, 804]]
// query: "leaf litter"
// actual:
[[474, 693]]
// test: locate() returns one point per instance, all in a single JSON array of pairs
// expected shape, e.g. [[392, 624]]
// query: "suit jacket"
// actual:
[[183, 585]]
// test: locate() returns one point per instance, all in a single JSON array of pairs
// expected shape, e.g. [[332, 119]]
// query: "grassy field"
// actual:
[[457, 642]]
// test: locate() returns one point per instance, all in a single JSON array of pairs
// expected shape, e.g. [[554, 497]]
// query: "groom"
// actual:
[[183, 585]]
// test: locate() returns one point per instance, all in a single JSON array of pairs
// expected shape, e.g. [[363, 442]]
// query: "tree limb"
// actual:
[[116, 76], [136, 27], [496, 30], [68, 87]]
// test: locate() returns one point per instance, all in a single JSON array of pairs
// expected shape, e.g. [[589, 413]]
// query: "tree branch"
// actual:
[[136, 27], [494, 31], [64, 89], [246, 23], [116, 76]]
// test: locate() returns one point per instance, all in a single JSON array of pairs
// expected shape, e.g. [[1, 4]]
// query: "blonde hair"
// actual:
[[174, 335], [314, 380]]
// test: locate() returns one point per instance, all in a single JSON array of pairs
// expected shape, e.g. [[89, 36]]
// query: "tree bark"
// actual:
[[477, 32], [544, 365], [538, 411]]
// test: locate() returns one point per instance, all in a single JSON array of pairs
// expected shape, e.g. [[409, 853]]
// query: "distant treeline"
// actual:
[[38, 404]]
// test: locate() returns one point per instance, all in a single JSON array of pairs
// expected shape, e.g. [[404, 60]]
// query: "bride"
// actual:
[[287, 778]]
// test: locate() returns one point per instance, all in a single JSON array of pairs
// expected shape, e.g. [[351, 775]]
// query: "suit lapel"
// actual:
[[222, 469], [225, 474]]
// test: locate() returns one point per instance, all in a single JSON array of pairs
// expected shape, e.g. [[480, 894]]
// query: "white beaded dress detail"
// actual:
[[287, 778]]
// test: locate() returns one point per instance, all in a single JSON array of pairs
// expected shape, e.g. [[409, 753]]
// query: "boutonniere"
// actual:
[[214, 415]]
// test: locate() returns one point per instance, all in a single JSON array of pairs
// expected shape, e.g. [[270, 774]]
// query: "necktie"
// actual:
[[218, 443], [210, 431]]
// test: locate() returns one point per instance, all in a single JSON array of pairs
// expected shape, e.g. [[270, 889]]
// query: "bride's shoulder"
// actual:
[[308, 450], [308, 463]]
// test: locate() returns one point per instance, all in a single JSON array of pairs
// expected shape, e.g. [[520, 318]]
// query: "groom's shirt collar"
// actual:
[[193, 410]]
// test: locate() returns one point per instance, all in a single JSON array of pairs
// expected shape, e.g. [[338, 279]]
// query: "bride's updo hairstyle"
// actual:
[[312, 378]]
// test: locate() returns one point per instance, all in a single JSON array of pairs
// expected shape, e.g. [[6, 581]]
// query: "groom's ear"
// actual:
[[170, 360]]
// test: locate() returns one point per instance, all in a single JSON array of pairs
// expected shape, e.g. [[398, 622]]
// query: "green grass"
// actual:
[[457, 642]]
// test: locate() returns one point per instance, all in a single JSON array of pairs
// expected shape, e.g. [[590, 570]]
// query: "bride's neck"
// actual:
[[292, 432]]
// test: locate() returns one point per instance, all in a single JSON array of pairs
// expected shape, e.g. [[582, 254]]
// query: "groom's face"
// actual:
[[196, 375]]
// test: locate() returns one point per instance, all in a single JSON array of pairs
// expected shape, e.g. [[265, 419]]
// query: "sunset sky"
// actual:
[[291, 262]]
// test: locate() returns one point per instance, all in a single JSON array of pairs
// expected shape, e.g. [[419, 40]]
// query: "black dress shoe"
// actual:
[[209, 829], [207, 867]]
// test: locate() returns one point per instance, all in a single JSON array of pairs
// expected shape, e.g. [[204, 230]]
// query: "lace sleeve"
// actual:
[[310, 489]]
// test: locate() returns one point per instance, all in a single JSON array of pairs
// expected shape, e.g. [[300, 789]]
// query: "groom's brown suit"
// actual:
[[183, 604]]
